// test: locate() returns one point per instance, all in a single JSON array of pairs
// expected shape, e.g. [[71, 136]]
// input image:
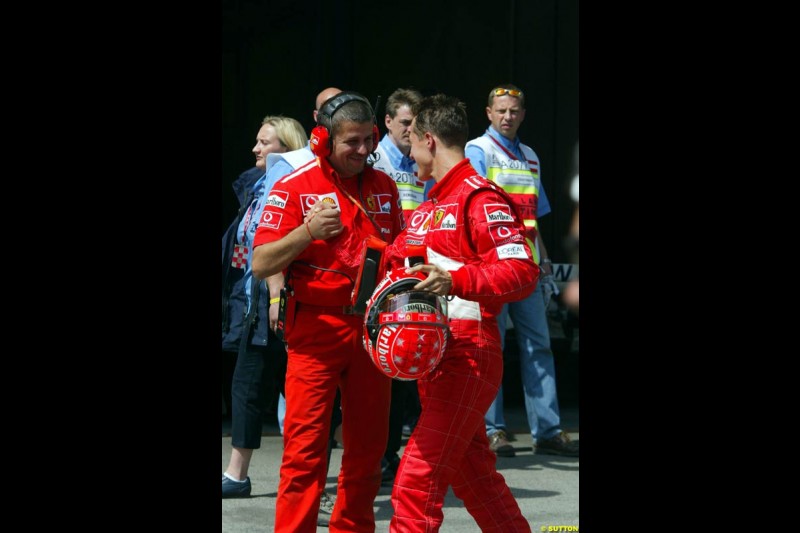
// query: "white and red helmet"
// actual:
[[405, 330]]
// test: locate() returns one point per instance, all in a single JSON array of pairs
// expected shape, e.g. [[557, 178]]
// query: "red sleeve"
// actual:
[[281, 214], [394, 255], [505, 271]]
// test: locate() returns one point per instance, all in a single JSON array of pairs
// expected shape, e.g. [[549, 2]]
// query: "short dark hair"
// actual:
[[356, 108], [401, 97], [443, 116]]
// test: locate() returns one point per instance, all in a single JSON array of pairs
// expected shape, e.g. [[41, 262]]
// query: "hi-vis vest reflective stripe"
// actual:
[[520, 179], [410, 195], [412, 191]]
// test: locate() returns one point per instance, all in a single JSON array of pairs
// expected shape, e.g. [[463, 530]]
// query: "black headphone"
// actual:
[[320, 136]]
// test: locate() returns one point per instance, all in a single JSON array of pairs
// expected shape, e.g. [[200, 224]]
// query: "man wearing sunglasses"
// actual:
[[500, 156]]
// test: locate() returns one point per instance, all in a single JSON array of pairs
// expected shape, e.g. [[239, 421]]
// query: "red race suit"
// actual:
[[470, 229]]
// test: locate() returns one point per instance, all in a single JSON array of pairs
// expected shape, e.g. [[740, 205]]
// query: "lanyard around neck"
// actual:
[[339, 185], [503, 148]]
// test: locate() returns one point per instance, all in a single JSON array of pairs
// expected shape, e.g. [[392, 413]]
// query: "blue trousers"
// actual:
[[537, 367]]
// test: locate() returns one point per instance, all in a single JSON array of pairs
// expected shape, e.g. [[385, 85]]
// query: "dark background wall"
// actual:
[[278, 54]]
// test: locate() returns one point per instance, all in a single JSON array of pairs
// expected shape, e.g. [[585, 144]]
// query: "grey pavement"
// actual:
[[545, 486]]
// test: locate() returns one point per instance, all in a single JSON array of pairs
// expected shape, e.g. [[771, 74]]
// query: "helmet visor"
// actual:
[[413, 306]]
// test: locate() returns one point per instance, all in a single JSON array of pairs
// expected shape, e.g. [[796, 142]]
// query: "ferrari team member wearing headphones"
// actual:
[[477, 255], [314, 231]]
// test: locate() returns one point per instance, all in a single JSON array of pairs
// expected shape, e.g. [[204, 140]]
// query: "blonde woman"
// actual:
[[277, 135]]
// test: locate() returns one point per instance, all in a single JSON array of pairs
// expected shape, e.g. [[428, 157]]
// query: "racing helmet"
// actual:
[[405, 330]]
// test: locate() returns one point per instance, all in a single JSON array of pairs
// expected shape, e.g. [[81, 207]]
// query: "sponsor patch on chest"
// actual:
[[379, 203], [419, 223], [445, 217], [308, 201]]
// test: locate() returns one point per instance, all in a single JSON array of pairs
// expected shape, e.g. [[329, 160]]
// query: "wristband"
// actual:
[[309, 231], [274, 300]]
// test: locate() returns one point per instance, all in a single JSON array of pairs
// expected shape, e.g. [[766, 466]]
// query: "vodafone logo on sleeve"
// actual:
[[270, 219], [504, 234]]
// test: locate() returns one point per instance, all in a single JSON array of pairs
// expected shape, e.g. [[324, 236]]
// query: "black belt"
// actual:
[[328, 309]]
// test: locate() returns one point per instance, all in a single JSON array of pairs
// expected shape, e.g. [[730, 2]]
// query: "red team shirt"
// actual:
[[324, 273]]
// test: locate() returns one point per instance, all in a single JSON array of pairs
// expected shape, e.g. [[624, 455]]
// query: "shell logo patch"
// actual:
[[330, 199], [308, 201]]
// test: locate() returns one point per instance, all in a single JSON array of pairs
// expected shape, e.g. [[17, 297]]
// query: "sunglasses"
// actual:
[[501, 92]]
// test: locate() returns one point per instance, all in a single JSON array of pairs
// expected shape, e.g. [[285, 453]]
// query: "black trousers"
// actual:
[[256, 375]]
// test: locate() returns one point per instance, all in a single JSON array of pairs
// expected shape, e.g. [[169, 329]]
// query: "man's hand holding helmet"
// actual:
[[405, 328], [439, 280]]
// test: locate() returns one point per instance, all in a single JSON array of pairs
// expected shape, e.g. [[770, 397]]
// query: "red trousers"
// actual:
[[326, 351], [449, 444]]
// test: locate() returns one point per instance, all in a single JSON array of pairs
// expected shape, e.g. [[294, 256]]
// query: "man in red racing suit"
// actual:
[[313, 228], [477, 254]]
